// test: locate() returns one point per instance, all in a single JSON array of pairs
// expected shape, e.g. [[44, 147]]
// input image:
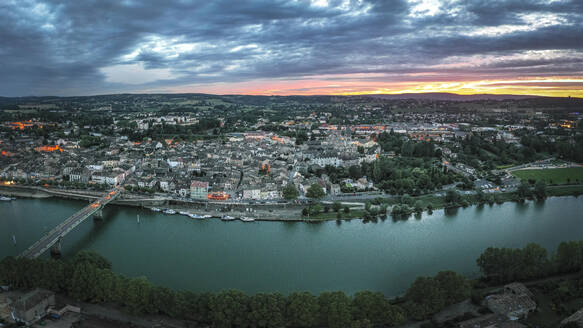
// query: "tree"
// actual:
[[376, 309], [92, 258], [336, 206], [290, 192], [83, 281], [302, 310], [315, 191], [540, 189], [315, 209], [335, 310], [523, 190], [267, 310], [455, 287], [570, 256], [418, 206], [138, 295], [424, 297], [229, 308], [452, 196], [346, 209]]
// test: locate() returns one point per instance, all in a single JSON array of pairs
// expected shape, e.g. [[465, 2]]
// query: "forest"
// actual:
[[89, 277]]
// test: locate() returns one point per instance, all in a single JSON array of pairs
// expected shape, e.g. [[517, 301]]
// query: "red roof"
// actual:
[[199, 184]]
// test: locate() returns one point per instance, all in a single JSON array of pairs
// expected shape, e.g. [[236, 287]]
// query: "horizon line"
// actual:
[[304, 95]]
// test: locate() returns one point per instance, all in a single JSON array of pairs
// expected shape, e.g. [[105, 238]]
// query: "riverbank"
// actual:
[[293, 212]]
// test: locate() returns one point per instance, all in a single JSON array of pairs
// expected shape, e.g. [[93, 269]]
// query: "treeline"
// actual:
[[568, 150], [502, 265], [88, 277], [405, 147], [160, 131], [407, 175], [397, 176], [486, 153]]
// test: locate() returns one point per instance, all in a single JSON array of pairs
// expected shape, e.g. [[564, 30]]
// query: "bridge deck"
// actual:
[[51, 237]]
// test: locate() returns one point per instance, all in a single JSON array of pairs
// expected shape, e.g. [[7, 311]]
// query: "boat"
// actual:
[[184, 213], [247, 219], [6, 199], [227, 218], [169, 211], [194, 216], [206, 216], [155, 209]]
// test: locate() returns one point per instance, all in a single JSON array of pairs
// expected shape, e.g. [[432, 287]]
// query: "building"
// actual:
[[490, 321], [335, 189], [515, 303], [324, 161], [199, 189], [251, 194], [577, 317], [32, 306]]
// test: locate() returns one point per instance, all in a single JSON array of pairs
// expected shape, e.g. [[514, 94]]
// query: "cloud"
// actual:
[[85, 47]]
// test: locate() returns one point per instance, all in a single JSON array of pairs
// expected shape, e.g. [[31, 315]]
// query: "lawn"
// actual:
[[552, 176], [331, 215]]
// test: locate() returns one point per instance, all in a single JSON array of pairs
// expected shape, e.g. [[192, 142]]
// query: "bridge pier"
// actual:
[[98, 215], [56, 249]]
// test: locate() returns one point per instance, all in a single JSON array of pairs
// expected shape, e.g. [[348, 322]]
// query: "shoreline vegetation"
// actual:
[[402, 207], [397, 207], [88, 277]]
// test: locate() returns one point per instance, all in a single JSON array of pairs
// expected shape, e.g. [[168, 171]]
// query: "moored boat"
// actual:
[[6, 199], [247, 219], [169, 211], [155, 209], [227, 218]]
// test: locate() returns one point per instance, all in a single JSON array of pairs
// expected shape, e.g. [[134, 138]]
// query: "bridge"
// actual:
[[53, 237]]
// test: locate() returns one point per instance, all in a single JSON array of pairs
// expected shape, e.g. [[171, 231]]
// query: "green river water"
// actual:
[[211, 255]]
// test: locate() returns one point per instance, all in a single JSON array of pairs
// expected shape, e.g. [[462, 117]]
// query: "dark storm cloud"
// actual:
[[74, 47]]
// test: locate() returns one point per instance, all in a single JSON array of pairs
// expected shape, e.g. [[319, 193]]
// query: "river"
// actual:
[[211, 255]]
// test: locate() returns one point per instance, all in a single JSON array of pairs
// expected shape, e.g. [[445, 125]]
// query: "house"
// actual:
[[335, 189], [199, 189], [515, 303], [490, 321], [577, 317], [251, 194], [80, 175], [32, 306]]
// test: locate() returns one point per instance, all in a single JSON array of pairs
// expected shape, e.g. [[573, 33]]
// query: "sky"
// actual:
[[301, 47]]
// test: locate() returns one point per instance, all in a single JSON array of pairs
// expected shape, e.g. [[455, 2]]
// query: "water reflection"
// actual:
[[451, 212], [539, 204], [521, 207]]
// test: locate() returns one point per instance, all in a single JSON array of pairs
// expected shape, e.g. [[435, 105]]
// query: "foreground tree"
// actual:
[[302, 310], [267, 310], [290, 192], [229, 308], [375, 309], [315, 191], [335, 310]]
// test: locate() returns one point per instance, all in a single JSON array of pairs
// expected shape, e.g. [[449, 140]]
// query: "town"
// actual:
[[203, 149]]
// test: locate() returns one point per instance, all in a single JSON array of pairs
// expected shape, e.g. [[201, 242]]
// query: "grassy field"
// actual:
[[552, 176], [331, 215]]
